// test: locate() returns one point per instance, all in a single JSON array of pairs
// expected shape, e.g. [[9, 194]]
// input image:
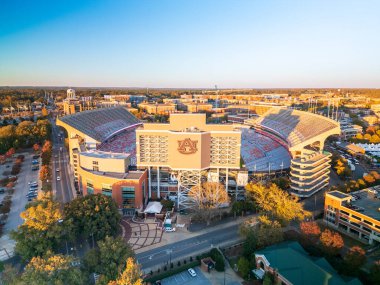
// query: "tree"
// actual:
[[131, 274], [10, 152], [41, 230], [354, 259], [45, 173], [244, 267], [331, 242], [36, 147], [268, 232], [311, 230], [374, 273], [109, 258], [275, 202], [95, 215], [208, 197], [52, 269], [369, 179], [44, 112], [10, 275]]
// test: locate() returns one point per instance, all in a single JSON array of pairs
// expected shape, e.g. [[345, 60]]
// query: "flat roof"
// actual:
[[369, 203], [339, 195], [101, 154]]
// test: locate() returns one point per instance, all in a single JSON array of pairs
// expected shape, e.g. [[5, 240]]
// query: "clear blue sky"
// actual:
[[190, 43]]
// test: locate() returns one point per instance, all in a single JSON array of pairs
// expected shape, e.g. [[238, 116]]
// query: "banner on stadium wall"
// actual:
[[242, 178], [213, 177]]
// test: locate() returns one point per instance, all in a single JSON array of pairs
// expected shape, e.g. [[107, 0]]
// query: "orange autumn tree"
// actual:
[[332, 242], [310, 230], [354, 259], [209, 197], [45, 172], [131, 275]]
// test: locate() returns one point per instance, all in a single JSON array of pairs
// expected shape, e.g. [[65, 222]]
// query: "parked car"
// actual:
[[58, 178], [192, 272], [2, 190], [32, 182], [169, 230]]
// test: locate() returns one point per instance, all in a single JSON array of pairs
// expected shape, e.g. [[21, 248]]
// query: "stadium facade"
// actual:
[[113, 153], [177, 155]]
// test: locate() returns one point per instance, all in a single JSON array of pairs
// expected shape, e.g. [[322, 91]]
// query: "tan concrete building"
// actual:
[[158, 109], [197, 107], [106, 172], [178, 154], [355, 214]]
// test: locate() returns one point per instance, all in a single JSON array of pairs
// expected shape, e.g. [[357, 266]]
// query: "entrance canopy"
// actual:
[[153, 208]]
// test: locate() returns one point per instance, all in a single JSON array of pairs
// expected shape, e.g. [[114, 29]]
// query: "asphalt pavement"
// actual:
[[62, 189], [188, 247]]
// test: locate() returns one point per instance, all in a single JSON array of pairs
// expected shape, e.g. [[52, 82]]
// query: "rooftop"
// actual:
[[102, 154], [292, 262], [368, 203], [134, 175], [339, 194]]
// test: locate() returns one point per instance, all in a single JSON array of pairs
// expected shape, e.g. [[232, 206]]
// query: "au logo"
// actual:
[[187, 146]]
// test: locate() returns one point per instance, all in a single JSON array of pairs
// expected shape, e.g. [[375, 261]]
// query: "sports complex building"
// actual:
[[113, 153]]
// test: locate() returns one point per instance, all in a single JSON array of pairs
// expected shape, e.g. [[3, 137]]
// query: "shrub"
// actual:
[[218, 258], [191, 258], [243, 267], [179, 263]]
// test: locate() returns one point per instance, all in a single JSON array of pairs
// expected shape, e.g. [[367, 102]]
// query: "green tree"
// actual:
[[108, 259], [10, 275], [95, 215], [354, 259], [244, 267], [374, 273]]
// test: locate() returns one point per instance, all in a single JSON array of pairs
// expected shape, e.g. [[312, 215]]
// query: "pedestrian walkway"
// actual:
[[7, 246]]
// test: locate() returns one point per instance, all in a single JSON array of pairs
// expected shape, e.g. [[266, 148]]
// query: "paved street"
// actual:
[[187, 247], [63, 189]]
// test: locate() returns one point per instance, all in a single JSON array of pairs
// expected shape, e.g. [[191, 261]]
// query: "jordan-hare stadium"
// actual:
[[113, 153]]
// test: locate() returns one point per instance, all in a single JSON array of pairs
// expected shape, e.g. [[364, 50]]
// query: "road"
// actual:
[[62, 189], [187, 247]]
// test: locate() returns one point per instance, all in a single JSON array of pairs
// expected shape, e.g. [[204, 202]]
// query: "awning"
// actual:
[[153, 208]]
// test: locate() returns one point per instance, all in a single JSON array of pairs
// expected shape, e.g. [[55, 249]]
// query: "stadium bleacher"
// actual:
[[100, 124], [259, 151], [292, 125]]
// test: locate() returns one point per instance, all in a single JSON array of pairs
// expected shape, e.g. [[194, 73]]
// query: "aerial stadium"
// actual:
[[113, 153]]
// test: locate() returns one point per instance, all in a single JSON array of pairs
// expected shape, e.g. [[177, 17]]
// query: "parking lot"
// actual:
[[21, 188], [185, 278]]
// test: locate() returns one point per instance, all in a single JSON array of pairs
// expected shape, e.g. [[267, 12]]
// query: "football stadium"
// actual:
[[113, 153]]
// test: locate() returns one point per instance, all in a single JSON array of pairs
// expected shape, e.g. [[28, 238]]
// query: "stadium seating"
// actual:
[[258, 151], [292, 125], [100, 124]]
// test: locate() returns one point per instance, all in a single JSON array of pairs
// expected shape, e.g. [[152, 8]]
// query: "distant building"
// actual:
[[197, 107], [356, 214], [349, 131], [72, 104], [157, 108]]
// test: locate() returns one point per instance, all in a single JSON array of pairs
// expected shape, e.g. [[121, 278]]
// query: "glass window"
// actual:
[[128, 195], [107, 189]]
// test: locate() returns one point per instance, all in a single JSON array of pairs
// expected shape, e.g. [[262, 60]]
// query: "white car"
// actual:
[[169, 230], [33, 183], [57, 170], [58, 178], [192, 272]]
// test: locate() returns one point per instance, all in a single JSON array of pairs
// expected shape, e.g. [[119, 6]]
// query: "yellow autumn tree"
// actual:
[[209, 197], [276, 203], [42, 215], [130, 276], [52, 269]]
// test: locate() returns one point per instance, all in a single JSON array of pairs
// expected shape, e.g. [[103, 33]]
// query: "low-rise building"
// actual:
[[158, 108], [292, 265], [356, 214]]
